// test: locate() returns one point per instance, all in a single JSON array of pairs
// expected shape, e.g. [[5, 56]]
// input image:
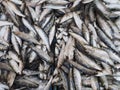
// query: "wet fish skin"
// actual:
[[86, 33], [5, 66], [71, 79], [78, 21], [3, 86], [104, 81], [44, 37], [104, 26], [26, 37], [99, 56], [79, 38], [84, 60], [92, 14], [113, 55], [58, 2], [87, 1], [15, 44], [77, 79], [52, 34], [44, 13], [94, 83], [5, 23], [49, 6], [61, 58], [65, 80], [42, 54], [29, 26], [76, 2], [69, 49], [11, 78], [106, 40], [19, 2], [15, 9], [81, 68], [102, 8], [15, 66]]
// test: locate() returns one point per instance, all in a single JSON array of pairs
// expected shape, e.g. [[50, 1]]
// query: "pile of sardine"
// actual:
[[59, 44]]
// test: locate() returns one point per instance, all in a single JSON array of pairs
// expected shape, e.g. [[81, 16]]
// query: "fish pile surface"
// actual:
[[59, 44]]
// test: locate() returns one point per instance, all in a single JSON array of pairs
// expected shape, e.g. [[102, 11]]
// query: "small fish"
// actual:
[[104, 26], [71, 79], [11, 78], [32, 57], [93, 40], [51, 6], [113, 87], [81, 68], [76, 30], [86, 61], [102, 8], [5, 66], [99, 54], [3, 47], [11, 13], [113, 55], [26, 37], [117, 22], [61, 58], [109, 1], [86, 33], [86, 1], [107, 68], [47, 87], [19, 2], [44, 13], [15, 59], [3, 86], [77, 79], [79, 38], [30, 72], [15, 9], [52, 34], [27, 82], [58, 2], [59, 44], [78, 21], [49, 25], [55, 80], [66, 17], [34, 3], [15, 66], [33, 13], [3, 42], [76, 2], [5, 23], [64, 80], [104, 81], [113, 6], [92, 14], [29, 26], [94, 83], [69, 49], [15, 44], [115, 29], [93, 31], [45, 21], [42, 54], [106, 39], [44, 37]]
